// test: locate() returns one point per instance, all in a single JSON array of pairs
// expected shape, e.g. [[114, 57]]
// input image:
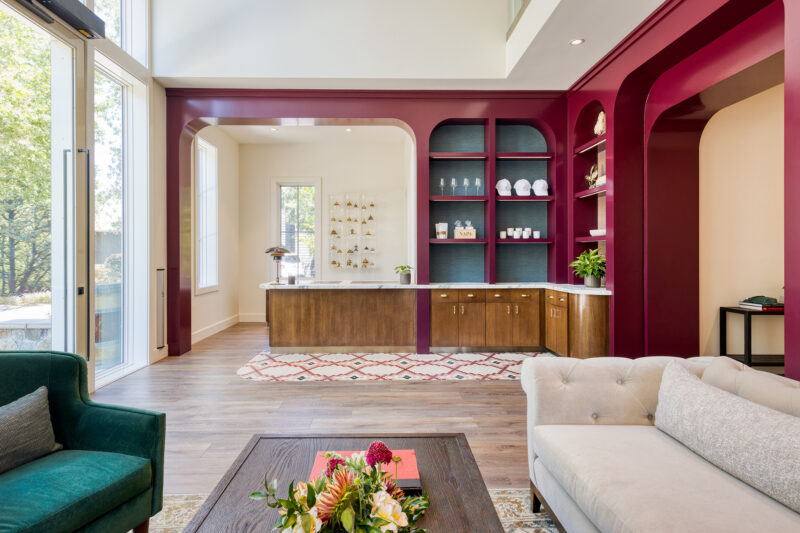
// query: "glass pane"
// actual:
[[111, 13], [207, 216], [36, 183], [298, 231], [108, 222]]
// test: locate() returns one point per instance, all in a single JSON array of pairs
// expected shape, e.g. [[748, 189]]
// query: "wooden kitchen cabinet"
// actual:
[[472, 325], [499, 324], [557, 329], [444, 324], [513, 318], [527, 324]]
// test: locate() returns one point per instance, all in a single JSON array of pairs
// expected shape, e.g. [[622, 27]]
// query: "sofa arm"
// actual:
[[125, 430], [609, 390]]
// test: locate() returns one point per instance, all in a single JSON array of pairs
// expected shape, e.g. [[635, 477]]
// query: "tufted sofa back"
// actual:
[[610, 390]]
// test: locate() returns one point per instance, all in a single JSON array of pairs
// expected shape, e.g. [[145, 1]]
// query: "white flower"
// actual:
[[387, 508], [316, 524], [357, 461]]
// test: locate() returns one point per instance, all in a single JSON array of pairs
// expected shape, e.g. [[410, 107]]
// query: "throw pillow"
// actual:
[[26, 432], [753, 443]]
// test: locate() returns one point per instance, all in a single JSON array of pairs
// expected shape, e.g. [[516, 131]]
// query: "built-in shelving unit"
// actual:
[[588, 210], [491, 150]]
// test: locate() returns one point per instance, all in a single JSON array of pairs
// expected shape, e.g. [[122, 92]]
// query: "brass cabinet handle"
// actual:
[[561, 299], [454, 310], [551, 296], [525, 295], [516, 309], [462, 309], [443, 295], [509, 309], [470, 295], [498, 295]]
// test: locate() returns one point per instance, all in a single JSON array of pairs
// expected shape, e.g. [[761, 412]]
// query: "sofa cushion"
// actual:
[[637, 478], [759, 445], [66, 490], [26, 432], [769, 390]]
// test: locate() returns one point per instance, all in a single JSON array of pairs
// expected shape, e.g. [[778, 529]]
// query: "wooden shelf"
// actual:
[[458, 241], [524, 198], [521, 156], [459, 155], [599, 238], [587, 193], [585, 147], [524, 241], [459, 198]]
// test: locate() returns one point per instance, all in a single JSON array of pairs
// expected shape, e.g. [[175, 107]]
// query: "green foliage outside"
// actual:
[[24, 159]]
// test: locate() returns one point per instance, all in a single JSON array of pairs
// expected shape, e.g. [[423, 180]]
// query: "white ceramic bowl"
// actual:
[[597, 232]]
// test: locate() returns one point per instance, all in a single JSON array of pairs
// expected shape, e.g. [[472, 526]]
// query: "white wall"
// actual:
[[214, 311], [741, 219], [343, 39], [378, 169], [158, 208]]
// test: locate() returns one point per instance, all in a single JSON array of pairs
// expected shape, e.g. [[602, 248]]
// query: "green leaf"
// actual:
[[311, 498], [348, 519], [258, 495], [306, 522]]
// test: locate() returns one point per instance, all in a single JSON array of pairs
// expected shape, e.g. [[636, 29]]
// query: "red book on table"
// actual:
[[407, 472]]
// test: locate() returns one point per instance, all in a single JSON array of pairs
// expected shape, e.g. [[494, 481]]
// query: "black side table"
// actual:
[[764, 360]]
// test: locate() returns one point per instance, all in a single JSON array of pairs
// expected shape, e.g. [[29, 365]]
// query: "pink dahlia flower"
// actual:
[[378, 453], [333, 464]]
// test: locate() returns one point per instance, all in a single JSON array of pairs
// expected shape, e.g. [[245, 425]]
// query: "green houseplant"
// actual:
[[591, 266], [405, 273]]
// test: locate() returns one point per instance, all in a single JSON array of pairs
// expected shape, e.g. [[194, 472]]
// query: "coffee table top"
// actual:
[[459, 500]]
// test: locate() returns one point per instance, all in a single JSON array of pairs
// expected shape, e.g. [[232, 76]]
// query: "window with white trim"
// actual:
[[127, 25], [206, 227]]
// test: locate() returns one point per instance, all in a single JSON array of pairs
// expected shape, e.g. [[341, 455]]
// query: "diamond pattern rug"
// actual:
[[512, 506], [384, 366]]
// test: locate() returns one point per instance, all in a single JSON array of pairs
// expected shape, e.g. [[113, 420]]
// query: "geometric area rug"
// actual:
[[512, 506], [486, 366]]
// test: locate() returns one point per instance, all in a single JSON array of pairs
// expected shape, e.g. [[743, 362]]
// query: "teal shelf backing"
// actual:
[[459, 169], [519, 138], [520, 263], [451, 211], [456, 263], [522, 215], [458, 138]]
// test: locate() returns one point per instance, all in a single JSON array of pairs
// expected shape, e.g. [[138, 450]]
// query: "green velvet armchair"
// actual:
[[110, 475]]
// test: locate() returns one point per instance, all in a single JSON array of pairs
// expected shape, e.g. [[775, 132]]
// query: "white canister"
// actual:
[[529, 230], [526, 233], [537, 234], [441, 230], [517, 233], [503, 235], [510, 232]]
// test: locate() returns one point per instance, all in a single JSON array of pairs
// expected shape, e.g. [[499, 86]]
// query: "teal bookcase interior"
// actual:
[[519, 138], [521, 262], [521, 215], [459, 169], [457, 263], [451, 211], [513, 170], [458, 138]]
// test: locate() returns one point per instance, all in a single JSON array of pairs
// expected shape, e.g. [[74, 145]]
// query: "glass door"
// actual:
[[37, 187]]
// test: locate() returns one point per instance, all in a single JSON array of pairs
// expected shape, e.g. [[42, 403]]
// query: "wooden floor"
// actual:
[[212, 413]]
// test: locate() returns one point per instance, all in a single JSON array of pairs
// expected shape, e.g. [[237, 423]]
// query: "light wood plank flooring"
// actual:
[[212, 413]]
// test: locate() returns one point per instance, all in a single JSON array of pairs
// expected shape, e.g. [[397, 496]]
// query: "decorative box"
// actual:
[[465, 233]]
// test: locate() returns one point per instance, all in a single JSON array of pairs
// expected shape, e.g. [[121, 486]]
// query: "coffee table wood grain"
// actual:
[[459, 500]]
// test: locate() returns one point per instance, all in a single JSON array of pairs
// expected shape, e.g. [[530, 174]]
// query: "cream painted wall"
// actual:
[[379, 169], [214, 311], [158, 208], [741, 219]]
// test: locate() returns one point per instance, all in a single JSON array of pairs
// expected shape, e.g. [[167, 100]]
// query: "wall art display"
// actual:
[[352, 239]]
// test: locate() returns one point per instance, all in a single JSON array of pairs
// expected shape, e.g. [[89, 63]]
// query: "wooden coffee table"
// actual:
[[460, 502]]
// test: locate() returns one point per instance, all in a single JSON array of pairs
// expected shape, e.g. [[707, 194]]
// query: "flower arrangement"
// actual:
[[352, 495]]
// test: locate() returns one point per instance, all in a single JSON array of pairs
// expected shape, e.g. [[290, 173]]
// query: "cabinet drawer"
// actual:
[[525, 295], [444, 296], [471, 295], [499, 295], [555, 298]]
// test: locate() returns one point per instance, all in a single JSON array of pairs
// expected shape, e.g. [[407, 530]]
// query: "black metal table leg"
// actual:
[[748, 340], [723, 331]]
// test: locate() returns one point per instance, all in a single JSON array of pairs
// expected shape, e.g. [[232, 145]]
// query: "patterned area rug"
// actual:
[[512, 505], [384, 366]]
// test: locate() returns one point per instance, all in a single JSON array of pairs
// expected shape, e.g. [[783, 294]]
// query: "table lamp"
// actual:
[[277, 254]]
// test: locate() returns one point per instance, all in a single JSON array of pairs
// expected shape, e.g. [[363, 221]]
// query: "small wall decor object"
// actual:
[[600, 125], [540, 188], [503, 187], [591, 177], [523, 187]]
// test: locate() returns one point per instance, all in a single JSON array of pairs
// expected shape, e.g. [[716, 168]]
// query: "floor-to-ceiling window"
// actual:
[[298, 230], [37, 161]]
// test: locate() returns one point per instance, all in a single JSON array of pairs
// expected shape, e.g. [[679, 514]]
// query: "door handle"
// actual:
[[462, 309], [454, 310], [509, 309], [88, 249], [516, 309]]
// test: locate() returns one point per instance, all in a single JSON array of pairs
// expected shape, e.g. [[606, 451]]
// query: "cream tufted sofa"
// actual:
[[598, 463]]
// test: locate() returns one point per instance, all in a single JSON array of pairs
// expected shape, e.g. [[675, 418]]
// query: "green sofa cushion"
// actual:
[[68, 489]]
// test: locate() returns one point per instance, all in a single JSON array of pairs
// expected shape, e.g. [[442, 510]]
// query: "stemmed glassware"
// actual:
[[453, 183], [477, 186], [441, 185], [466, 186]]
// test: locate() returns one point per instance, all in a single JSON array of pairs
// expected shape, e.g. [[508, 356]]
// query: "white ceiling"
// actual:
[[364, 44], [315, 134]]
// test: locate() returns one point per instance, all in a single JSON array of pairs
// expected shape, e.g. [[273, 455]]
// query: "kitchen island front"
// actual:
[[570, 320]]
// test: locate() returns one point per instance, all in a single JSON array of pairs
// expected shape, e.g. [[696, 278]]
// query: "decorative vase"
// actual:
[[591, 281], [405, 278]]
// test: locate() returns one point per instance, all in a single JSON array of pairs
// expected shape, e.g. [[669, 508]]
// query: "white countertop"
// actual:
[[574, 289]]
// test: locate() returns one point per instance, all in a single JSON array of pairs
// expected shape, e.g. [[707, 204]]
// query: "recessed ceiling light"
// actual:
[[274, 129], [348, 129], [577, 42]]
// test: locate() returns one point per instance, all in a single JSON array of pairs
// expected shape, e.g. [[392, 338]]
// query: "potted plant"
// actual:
[[405, 273], [591, 266]]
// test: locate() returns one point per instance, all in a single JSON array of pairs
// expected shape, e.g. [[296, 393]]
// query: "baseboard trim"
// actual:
[[252, 317], [216, 327]]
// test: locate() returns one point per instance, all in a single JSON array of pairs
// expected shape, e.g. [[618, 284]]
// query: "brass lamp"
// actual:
[[277, 254]]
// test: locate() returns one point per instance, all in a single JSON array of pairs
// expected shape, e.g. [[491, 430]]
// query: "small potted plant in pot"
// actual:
[[405, 273], [591, 266]]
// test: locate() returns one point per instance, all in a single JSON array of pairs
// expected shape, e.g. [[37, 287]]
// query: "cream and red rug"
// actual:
[[384, 366], [512, 506]]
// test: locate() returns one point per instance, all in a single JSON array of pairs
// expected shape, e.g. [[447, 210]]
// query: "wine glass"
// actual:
[[478, 186], [453, 184], [441, 185], [466, 185]]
